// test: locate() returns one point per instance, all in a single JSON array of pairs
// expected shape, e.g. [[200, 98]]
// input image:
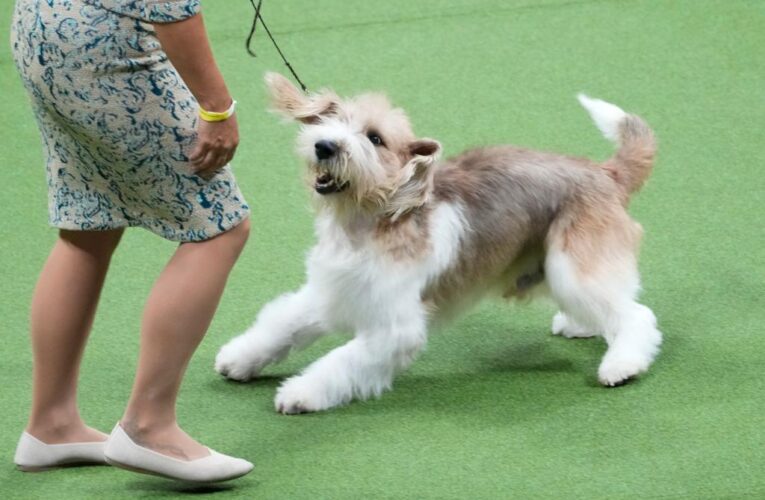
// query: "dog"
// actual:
[[406, 240]]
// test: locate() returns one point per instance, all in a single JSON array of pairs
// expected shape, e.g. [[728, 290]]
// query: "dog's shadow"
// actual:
[[270, 380], [527, 358], [515, 371], [529, 374]]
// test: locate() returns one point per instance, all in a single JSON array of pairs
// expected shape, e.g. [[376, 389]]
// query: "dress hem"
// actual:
[[176, 236]]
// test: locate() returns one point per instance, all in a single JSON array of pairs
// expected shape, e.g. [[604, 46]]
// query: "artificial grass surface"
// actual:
[[496, 407]]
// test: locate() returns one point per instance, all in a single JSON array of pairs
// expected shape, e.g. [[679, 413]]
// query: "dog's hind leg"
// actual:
[[292, 320], [592, 274], [362, 368]]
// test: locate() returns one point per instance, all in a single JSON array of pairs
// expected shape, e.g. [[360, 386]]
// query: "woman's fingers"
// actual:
[[201, 160], [216, 146], [198, 154], [229, 157], [213, 161], [207, 157]]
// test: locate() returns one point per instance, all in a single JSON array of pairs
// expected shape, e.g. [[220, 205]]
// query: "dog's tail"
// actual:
[[633, 162]]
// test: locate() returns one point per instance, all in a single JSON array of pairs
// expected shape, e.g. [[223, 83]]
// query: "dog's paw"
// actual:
[[236, 360], [299, 395], [616, 370], [565, 326], [633, 350]]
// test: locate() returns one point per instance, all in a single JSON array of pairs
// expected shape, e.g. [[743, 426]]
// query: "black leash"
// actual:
[[252, 34]]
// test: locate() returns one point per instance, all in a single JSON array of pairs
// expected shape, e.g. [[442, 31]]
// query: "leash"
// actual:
[[255, 19]]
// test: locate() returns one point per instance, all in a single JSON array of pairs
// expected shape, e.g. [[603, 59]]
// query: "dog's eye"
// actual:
[[375, 138]]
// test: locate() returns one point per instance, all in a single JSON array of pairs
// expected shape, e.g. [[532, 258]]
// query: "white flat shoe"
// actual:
[[32, 455], [123, 452]]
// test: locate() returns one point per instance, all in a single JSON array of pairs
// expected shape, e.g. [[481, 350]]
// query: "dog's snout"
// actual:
[[325, 149]]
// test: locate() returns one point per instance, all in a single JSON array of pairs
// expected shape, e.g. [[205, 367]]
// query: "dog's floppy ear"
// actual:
[[415, 181], [425, 147], [290, 102]]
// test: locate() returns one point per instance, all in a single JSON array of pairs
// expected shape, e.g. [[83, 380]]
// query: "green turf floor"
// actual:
[[496, 407]]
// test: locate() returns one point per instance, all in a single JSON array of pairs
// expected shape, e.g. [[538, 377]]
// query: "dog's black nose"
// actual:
[[325, 149]]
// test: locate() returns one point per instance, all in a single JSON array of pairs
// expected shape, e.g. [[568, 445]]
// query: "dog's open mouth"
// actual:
[[326, 184]]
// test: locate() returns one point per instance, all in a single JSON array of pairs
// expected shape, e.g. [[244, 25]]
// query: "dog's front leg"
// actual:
[[363, 367], [292, 320]]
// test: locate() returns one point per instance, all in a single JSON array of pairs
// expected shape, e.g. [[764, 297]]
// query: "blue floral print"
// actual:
[[116, 119]]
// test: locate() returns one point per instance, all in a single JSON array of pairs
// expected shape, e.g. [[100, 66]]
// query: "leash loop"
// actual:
[[255, 19]]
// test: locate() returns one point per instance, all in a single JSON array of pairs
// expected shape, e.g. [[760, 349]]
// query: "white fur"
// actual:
[[605, 303], [606, 116], [359, 280], [565, 325], [356, 160], [354, 286]]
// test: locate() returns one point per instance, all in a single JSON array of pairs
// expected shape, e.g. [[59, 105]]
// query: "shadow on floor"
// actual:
[[162, 487]]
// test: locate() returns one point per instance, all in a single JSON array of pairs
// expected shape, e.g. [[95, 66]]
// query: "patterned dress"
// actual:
[[116, 119]]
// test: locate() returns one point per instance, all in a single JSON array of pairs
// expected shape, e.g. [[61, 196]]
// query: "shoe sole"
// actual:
[[139, 470], [33, 468], [45, 468]]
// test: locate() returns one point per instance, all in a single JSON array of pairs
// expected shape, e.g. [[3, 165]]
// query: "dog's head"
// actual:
[[360, 151]]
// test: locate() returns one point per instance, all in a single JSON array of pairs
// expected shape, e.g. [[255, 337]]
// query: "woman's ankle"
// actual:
[[145, 418], [163, 436], [58, 428], [141, 428]]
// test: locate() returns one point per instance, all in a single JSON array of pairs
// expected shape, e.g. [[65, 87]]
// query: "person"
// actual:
[[138, 130]]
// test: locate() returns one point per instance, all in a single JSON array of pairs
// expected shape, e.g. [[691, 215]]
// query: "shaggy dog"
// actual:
[[405, 239]]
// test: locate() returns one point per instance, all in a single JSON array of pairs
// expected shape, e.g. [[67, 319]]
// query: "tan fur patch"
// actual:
[[406, 238], [518, 204]]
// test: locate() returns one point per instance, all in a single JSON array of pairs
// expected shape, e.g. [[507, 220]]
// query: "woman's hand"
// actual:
[[215, 147]]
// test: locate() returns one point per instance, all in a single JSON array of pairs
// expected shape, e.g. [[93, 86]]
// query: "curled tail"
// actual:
[[633, 162]]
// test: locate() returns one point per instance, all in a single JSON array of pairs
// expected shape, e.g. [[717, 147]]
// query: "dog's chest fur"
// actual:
[[372, 273]]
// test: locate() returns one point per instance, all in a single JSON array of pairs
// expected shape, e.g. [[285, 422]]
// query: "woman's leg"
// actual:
[[63, 307], [178, 312]]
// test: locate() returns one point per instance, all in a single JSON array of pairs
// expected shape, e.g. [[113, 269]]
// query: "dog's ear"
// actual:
[[415, 180], [290, 102], [424, 147]]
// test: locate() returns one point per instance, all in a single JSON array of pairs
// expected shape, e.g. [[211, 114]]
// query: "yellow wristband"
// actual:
[[212, 116]]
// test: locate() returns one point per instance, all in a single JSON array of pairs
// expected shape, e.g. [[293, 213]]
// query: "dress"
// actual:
[[116, 119]]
